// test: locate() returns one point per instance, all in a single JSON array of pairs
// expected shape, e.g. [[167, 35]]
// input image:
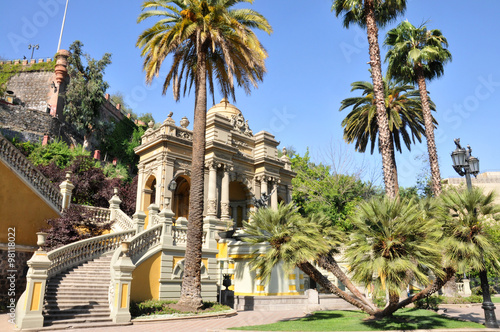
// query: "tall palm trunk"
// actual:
[[429, 132], [191, 281], [386, 149], [317, 276], [395, 173]]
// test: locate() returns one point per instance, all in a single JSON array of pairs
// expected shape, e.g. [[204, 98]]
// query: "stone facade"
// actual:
[[32, 89], [32, 125]]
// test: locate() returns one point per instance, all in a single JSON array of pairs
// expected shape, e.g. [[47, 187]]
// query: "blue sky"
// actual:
[[312, 62]]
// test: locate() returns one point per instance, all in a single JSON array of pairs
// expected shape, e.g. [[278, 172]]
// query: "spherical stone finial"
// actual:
[[151, 124]]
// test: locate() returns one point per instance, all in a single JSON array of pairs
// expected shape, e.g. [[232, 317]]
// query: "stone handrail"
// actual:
[[122, 221], [21, 165], [143, 241], [78, 252], [96, 214]]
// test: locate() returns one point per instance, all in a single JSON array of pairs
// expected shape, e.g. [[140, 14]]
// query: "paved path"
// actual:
[[245, 318]]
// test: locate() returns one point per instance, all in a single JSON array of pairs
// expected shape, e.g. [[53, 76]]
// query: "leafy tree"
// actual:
[[120, 142], [118, 98], [404, 113], [317, 189], [75, 224], [210, 41], [86, 90], [56, 152], [417, 55], [369, 14]]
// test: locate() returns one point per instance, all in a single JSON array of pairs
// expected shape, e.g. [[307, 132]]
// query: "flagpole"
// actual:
[[62, 27]]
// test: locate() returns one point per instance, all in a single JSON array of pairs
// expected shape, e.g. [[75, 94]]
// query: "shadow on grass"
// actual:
[[409, 319]]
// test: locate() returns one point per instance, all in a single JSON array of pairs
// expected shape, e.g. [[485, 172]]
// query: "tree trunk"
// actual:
[[191, 281], [395, 173], [429, 132], [317, 276], [391, 307], [429, 290], [328, 263], [378, 89]]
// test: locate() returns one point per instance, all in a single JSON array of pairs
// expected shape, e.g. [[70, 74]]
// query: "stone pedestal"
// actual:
[[138, 218], [123, 269], [30, 305]]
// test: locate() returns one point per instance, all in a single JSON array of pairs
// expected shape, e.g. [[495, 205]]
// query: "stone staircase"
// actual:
[[79, 297]]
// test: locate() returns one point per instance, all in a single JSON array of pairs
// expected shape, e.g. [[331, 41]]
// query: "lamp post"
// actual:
[[465, 164], [33, 48]]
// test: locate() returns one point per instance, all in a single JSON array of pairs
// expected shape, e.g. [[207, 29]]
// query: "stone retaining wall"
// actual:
[[18, 272], [32, 89]]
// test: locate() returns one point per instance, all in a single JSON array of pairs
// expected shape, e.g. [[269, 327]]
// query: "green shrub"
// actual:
[[430, 302], [160, 307], [119, 171], [479, 291]]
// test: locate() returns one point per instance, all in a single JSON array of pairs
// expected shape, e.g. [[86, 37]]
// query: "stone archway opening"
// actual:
[[238, 203], [149, 197], [181, 197]]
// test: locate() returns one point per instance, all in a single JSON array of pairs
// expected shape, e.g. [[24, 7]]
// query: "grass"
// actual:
[[405, 319], [495, 299]]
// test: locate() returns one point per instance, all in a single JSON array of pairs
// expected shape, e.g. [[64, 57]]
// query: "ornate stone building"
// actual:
[[240, 166]]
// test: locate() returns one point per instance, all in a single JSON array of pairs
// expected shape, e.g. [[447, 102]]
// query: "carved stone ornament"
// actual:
[[224, 208], [239, 124], [211, 207]]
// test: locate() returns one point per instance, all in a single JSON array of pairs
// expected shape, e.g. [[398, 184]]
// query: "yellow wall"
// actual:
[[146, 280], [21, 208]]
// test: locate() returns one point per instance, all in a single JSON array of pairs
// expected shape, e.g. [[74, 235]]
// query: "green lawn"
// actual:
[[495, 299], [406, 319]]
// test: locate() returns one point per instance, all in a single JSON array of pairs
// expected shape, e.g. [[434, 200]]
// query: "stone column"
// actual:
[[66, 191], [122, 269], [263, 185], [30, 305], [140, 185], [257, 188], [274, 195], [289, 189], [212, 189], [224, 197]]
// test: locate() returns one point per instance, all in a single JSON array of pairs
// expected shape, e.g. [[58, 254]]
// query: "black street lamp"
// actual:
[[465, 164]]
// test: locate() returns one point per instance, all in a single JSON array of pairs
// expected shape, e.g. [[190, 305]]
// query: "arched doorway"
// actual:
[[149, 197], [181, 197], [238, 203]]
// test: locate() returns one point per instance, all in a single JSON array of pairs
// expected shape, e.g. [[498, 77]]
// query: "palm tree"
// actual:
[[417, 55], [465, 217], [394, 241], [404, 113], [296, 241], [367, 14], [210, 41]]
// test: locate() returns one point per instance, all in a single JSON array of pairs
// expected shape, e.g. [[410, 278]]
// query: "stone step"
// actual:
[[90, 297], [49, 307], [79, 315], [76, 286], [75, 320], [55, 310], [95, 279], [88, 326]]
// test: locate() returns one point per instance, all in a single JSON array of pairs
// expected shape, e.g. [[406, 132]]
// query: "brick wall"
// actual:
[[32, 88], [32, 125]]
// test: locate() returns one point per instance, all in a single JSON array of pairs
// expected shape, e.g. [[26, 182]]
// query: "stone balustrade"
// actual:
[[23, 167], [75, 253], [144, 241], [97, 215], [122, 222]]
